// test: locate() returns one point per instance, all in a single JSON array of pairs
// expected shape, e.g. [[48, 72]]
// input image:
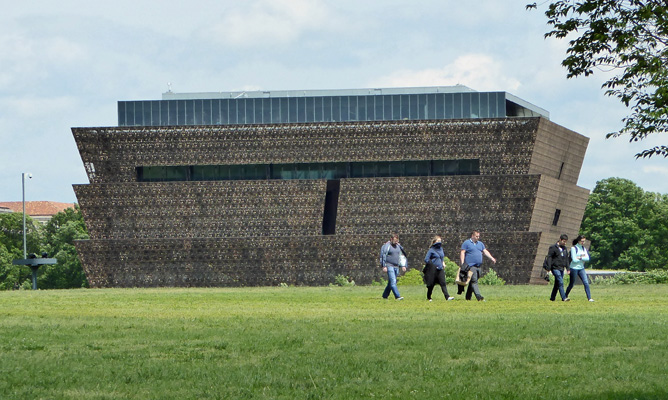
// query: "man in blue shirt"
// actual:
[[470, 258]]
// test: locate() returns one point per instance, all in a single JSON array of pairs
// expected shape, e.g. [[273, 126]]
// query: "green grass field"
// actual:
[[342, 342]]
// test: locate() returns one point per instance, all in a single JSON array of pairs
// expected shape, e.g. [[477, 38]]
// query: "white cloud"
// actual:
[[655, 170], [477, 71], [265, 22]]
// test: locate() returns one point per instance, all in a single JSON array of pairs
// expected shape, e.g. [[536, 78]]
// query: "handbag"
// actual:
[[402, 261]]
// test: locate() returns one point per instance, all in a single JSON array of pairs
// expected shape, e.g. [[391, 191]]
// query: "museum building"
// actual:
[[261, 188]]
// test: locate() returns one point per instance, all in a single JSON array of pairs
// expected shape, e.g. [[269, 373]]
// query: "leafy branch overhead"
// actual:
[[630, 37]]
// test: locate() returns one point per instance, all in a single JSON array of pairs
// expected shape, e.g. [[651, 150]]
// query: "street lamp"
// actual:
[[23, 187]]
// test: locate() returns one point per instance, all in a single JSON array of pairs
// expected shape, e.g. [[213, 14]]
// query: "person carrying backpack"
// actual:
[[557, 262]]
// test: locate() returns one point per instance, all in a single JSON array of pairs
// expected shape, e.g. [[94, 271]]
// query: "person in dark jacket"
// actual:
[[557, 262], [434, 269]]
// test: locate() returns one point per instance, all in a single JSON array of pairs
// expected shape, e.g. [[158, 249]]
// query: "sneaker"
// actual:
[[400, 298], [481, 299], [450, 298], [567, 299], [592, 300], [429, 300]]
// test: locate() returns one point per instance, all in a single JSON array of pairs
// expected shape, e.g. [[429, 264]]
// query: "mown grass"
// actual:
[[312, 343]]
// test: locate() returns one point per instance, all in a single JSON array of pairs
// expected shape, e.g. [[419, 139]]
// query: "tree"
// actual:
[[59, 235], [628, 227], [11, 248], [56, 238], [629, 36]]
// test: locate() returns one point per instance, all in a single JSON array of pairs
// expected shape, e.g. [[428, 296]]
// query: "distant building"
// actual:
[[297, 187], [40, 211]]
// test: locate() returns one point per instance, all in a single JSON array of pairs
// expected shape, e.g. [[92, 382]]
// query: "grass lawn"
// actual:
[[343, 342]]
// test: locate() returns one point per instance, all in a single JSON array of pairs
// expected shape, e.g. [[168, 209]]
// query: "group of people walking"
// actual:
[[393, 256], [561, 261]]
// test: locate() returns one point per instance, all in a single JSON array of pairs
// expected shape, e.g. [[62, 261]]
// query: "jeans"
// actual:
[[558, 284], [392, 273], [583, 277], [473, 285]]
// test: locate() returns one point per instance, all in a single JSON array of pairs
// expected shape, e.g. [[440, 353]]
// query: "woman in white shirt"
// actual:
[[579, 255]]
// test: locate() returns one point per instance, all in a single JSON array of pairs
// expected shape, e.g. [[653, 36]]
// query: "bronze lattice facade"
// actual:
[[240, 232]]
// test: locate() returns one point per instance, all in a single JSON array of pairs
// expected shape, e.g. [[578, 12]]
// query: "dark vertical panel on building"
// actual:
[[466, 104], [318, 106], [331, 206], [484, 105], [259, 111], [457, 105], [440, 105], [345, 112], [475, 105], [130, 113], [164, 113], [379, 108], [413, 106], [146, 114], [361, 108], [309, 109], [431, 106], [275, 110], [121, 113], [501, 104], [173, 116], [352, 108], [189, 112], [155, 113], [249, 112], [292, 109], [266, 111], [421, 106], [327, 109], [282, 116], [198, 110], [181, 112], [241, 110], [215, 111], [225, 111]]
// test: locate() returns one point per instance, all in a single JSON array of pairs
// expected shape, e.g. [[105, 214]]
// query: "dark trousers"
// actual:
[[440, 278], [473, 285]]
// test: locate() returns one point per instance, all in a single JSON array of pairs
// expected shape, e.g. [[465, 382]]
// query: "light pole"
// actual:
[[23, 187]]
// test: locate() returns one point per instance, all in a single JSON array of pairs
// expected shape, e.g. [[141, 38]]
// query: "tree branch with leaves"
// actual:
[[628, 36]]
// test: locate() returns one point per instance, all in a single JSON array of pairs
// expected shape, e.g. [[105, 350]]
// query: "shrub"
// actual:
[[653, 276], [491, 278], [342, 280], [412, 277], [451, 268], [380, 282]]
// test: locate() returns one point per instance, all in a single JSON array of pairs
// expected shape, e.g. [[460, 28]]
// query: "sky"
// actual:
[[66, 64]]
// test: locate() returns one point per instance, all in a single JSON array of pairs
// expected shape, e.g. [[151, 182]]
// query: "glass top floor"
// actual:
[[307, 106]]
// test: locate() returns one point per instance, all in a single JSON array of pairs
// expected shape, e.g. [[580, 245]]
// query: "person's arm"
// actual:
[[461, 257], [584, 254], [383, 253], [428, 256], [486, 253]]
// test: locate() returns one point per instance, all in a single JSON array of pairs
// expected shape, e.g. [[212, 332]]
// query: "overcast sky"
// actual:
[[65, 64]]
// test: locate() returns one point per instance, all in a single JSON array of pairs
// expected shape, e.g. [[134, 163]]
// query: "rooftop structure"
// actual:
[[40, 211], [299, 106]]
